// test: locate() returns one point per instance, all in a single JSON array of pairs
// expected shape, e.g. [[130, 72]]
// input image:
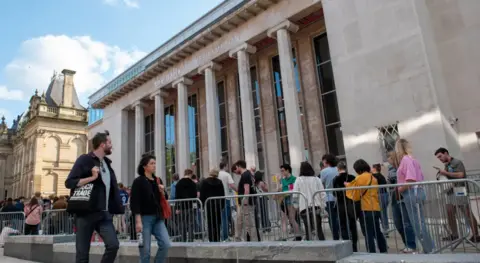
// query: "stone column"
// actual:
[[246, 101], [160, 134], [296, 145], [213, 125], [139, 131], [183, 142]]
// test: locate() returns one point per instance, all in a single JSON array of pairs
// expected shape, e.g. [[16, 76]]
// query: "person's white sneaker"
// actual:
[[408, 250]]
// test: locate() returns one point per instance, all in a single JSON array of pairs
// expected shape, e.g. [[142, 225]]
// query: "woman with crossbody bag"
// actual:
[[370, 206], [33, 216], [146, 201]]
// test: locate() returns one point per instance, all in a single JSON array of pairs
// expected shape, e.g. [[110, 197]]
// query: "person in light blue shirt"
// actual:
[[173, 187], [327, 175]]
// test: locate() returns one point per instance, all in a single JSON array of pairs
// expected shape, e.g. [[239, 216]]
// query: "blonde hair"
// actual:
[[402, 148], [214, 173], [392, 159]]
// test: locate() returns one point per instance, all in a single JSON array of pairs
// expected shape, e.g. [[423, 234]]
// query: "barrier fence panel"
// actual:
[[125, 225], [14, 220], [259, 217], [186, 223], [56, 222], [426, 217]]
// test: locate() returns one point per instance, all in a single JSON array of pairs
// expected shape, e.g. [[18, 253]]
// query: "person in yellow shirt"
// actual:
[[370, 205]]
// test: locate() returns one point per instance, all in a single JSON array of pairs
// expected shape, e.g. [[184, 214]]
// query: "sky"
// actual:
[[98, 39]]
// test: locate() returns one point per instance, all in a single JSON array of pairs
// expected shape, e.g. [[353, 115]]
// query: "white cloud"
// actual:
[[10, 94], [5, 113], [94, 62], [128, 3]]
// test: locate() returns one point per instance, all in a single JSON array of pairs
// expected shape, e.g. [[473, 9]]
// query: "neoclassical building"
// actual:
[[280, 81], [38, 151]]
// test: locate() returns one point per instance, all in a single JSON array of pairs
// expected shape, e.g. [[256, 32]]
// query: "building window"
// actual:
[[388, 136], [278, 93], [169, 143], [150, 135], [222, 119], [257, 117], [328, 96], [94, 115], [193, 134]]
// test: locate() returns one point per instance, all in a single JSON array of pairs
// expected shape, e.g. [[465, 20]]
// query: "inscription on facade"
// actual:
[[199, 59]]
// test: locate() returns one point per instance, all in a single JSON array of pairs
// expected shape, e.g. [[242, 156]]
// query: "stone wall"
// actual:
[[401, 62]]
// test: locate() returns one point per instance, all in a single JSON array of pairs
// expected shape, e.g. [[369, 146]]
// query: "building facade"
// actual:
[[281, 81], [38, 151]]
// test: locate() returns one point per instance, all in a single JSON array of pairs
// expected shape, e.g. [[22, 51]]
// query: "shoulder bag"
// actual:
[[166, 210], [82, 200], [31, 210]]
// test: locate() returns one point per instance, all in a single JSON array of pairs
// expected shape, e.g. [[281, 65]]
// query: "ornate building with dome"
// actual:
[[41, 146]]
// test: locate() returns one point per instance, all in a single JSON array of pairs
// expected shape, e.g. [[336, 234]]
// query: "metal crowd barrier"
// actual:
[[258, 217], [418, 221], [56, 222], [185, 225], [14, 220], [187, 222]]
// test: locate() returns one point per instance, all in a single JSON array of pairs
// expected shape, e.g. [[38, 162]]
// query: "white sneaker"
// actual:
[[408, 250]]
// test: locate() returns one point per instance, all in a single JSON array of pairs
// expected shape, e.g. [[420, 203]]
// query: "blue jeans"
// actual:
[[226, 218], [402, 223], [384, 199], [103, 224], [153, 225], [413, 199], [333, 219], [198, 221]]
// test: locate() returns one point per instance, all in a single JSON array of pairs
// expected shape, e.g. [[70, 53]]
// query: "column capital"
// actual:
[[158, 92], [183, 80], [213, 65], [138, 103], [287, 24], [243, 47]]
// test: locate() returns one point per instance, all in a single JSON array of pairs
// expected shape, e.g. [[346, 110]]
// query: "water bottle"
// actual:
[[140, 239]]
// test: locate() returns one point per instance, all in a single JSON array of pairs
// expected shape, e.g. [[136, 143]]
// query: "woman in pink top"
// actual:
[[33, 217], [409, 171]]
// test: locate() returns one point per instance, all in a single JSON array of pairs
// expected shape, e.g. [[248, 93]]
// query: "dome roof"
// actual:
[[54, 95]]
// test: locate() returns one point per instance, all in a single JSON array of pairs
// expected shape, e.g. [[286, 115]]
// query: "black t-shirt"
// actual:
[[246, 178], [339, 183], [381, 181]]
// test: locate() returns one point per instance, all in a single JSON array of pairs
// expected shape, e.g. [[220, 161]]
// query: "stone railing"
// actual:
[[52, 110], [63, 112]]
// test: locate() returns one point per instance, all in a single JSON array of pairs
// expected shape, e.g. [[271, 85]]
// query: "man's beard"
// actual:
[[107, 151]]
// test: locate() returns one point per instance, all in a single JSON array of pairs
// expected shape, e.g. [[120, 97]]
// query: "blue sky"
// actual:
[[97, 38]]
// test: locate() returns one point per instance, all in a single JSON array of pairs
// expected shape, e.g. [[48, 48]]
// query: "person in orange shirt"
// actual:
[[370, 206]]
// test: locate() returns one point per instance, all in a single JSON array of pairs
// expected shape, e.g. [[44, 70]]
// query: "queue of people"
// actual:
[[304, 199]]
